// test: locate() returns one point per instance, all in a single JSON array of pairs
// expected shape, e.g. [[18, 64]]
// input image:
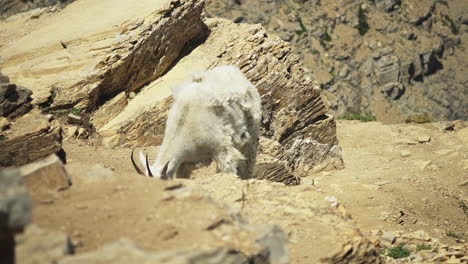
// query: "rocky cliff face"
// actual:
[[394, 59]]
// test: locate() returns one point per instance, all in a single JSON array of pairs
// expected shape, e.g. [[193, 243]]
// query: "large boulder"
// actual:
[[14, 100], [45, 175], [31, 137]]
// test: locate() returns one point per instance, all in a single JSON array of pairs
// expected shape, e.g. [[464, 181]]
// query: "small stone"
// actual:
[[74, 119], [416, 258], [71, 131], [382, 183], [464, 182], [453, 261], [405, 153], [443, 152], [344, 72], [131, 95], [82, 133], [76, 243], [107, 133], [405, 142], [424, 164], [424, 139], [389, 237], [174, 186], [32, 129], [81, 206], [3, 123], [47, 201]]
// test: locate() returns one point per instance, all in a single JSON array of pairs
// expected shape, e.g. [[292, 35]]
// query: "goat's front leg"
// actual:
[[228, 159], [184, 171]]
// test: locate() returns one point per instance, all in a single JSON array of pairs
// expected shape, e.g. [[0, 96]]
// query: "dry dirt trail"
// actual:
[[391, 183]]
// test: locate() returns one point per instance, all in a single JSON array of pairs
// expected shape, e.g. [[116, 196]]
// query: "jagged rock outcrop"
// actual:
[[14, 100], [31, 137], [414, 47]]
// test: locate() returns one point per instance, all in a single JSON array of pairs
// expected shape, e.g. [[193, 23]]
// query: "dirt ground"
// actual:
[[393, 182], [401, 177]]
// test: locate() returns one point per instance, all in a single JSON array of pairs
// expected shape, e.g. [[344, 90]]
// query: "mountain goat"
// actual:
[[215, 117]]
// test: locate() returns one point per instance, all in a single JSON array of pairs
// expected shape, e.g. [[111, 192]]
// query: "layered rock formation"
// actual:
[[14, 100], [118, 67], [83, 62], [153, 49], [31, 137]]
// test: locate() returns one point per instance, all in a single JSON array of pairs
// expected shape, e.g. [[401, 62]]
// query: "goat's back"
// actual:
[[216, 87]]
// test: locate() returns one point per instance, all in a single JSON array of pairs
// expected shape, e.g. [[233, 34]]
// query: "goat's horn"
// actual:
[[134, 164], [148, 167]]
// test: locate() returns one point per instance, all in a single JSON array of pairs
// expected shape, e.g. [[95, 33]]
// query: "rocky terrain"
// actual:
[[396, 60], [12, 7], [80, 90]]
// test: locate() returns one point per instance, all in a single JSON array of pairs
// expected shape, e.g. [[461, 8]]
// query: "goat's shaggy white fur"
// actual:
[[215, 116]]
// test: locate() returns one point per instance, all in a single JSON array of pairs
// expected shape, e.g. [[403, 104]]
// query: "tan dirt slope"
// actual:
[[382, 190]]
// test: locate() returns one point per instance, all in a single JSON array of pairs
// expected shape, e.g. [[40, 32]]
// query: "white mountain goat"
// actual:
[[215, 117]]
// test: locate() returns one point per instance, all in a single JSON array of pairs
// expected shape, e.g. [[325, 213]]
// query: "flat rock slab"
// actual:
[[91, 50], [31, 137], [45, 175]]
